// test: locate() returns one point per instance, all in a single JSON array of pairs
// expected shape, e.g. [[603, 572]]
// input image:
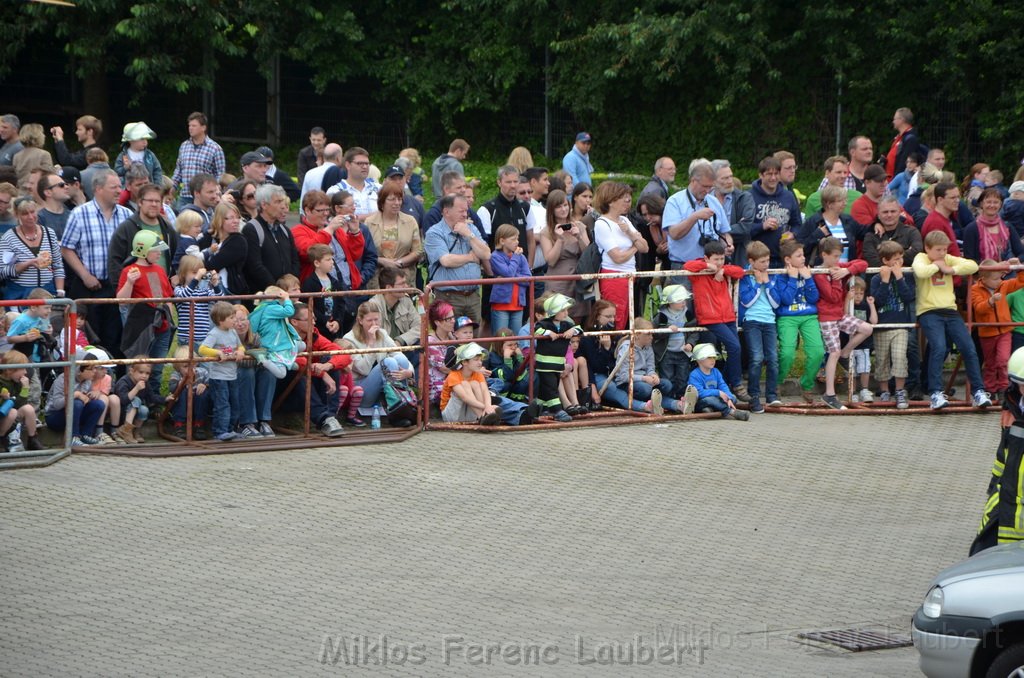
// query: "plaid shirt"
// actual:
[[207, 157], [88, 234], [850, 183]]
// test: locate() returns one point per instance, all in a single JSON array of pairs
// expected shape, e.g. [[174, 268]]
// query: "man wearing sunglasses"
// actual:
[[53, 193]]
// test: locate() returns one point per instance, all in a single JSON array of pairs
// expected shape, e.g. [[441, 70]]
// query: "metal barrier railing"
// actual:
[[39, 458]]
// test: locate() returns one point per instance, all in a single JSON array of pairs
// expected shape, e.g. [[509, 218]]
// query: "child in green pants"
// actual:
[[798, 315]]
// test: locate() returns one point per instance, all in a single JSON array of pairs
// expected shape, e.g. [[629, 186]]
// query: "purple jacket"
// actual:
[[505, 266]]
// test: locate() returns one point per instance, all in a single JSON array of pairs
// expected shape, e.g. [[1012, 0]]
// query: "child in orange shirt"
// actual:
[[988, 297]]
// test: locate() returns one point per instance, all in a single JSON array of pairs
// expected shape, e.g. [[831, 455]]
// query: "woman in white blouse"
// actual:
[[619, 243]]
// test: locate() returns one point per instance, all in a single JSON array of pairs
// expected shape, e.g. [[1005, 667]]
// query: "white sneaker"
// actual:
[[104, 438], [885, 397], [331, 428], [855, 398], [866, 396], [981, 399], [939, 400]]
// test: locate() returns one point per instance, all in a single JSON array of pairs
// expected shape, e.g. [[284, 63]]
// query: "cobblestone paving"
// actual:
[[706, 545]]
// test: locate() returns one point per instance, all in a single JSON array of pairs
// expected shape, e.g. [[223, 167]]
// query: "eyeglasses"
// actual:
[[448, 318], [57, 185], [152, 200], [365, 163], [323, 210], [249, 196]]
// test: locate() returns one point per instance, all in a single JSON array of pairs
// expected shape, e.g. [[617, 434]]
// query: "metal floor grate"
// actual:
[[859, 640]]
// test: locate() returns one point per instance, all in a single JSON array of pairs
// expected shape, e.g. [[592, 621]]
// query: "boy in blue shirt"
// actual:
[[713, 394], [758, 302]]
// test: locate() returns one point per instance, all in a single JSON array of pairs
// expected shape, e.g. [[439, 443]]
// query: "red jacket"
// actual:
[[712, 299], [832, 293], [338, 362], [305, 237]]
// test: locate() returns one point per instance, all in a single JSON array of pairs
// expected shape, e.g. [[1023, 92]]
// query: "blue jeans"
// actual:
[[941, 329], [615, 395], [373, 383], [255, 396], [158, 348], [500, 320], [712, 404], [84, 421], [510, 411], [643, 390], [200, 406], [675, 368], [763, 349], [224, 400], [730, 339], [321, 404]]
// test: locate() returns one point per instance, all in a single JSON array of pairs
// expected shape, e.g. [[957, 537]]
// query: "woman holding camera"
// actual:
[[562, 241], [30, 255]]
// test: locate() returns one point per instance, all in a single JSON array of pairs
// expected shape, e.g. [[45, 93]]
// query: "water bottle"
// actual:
[[375, 421]]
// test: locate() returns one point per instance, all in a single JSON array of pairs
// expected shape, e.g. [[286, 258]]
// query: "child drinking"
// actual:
[[137, 397]]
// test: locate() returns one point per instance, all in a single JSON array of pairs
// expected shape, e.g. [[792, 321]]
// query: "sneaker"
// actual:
[[331, 428], [981, 399], [89, 440], [855, 398], [266, 431], [656, 407], [755, 405], [493, 419], [689, 399], [833, 402], [355, 420], [885, 397], [866, 396], [739, 415], [249, 432], [77, 442], [939, 400], [563, 416], [901, 400], [226, 436], [773, 401], [105, 439]]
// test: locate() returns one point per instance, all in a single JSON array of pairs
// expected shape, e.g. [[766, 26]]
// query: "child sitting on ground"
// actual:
[[328, 312], [759, 299], [509, 370], [713, 394], [863, 308], [14, 404], [196, 379], [88, 407], [195, 281], [103, 387], [894, 299], [586, 392], [137, 398], [647, 384], [222, 342], [988, 296], [464, 396], [282, 343], [934, 270]]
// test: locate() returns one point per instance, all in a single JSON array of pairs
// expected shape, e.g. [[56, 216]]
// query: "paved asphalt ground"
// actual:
[[707, 545]]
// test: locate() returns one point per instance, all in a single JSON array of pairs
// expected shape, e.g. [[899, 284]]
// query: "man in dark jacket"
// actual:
[[903, 144], [88, 130], [776, 210], [506, 208], [312, 156], [277, 177], [272, 251], [1013, 208], [149, 217], [890, 227]]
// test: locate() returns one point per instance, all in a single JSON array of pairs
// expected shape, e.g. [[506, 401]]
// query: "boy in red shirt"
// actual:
[[147, 279], [712, 300], [832, 290]]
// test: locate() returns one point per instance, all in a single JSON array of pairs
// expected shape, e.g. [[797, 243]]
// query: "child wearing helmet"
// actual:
[[147, 279], [555, 329], [134, 149]]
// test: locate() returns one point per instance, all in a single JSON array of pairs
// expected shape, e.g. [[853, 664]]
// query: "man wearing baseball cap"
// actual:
[[277, 177], [410, 205], [254, 167], [577, 161]]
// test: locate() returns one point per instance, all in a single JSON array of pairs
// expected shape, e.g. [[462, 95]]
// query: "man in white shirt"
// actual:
[[359, 185]]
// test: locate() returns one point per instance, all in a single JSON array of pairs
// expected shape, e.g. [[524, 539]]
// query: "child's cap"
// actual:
[[94, 353], [145, 242], [702, 351], [557, 303], [673, 294], [464, 321], [468, 351]]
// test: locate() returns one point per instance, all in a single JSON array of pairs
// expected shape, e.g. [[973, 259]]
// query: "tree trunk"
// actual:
[[96, 101]]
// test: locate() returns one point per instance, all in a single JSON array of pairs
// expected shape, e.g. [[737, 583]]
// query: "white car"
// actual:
[[971, 623]]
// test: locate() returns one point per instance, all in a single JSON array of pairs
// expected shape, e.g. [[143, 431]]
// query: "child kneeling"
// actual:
[[713, 394]]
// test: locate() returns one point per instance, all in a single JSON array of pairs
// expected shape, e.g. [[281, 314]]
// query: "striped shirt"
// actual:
[[88, 234], [194, 159], [203, 324], [13, 251]]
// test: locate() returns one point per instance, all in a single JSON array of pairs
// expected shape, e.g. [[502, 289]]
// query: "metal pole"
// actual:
[[839, 111], [547, 104]]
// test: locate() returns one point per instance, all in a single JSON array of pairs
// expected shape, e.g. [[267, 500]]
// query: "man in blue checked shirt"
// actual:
[[84, 248], [197, 154]]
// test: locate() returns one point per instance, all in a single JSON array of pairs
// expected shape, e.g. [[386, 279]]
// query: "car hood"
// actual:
[[1001, 559]]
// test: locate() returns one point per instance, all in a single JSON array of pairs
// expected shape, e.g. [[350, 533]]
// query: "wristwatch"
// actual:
[[398, 262]]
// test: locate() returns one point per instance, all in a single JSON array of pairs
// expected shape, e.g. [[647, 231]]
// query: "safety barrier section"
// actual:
[[288, 438], [37, 458]]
